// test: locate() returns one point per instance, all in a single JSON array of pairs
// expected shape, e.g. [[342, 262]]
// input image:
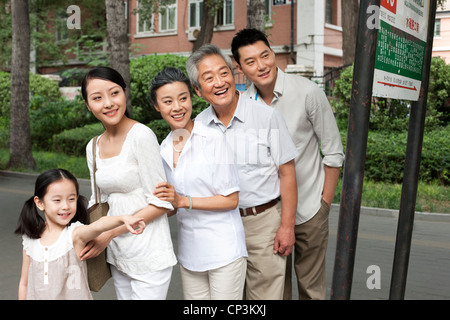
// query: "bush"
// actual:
[[393, 114], [48, 118], [73, 142], [161, 129], [39, 86], [386, 153]]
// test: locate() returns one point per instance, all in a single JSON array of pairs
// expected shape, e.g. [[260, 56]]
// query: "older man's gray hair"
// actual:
[[195, 58]]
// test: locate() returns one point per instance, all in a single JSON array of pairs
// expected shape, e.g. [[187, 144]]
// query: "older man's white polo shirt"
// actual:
[[259, 138]]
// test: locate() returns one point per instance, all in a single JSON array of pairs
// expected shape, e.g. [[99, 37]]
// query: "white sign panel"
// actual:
[[401, 47]]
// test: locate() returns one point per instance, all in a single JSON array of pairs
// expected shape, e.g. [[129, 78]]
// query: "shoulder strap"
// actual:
[[94, 156]]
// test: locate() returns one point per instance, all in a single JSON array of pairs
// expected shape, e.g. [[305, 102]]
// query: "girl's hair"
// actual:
[[167, 76], [103, 73], [30, 221]]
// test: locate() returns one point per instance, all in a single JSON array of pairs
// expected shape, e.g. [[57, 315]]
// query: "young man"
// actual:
[[313, 129], [264, 154]]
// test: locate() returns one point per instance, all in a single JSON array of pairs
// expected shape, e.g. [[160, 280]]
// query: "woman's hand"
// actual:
[[165, 191], [134, 225], [96, 246]]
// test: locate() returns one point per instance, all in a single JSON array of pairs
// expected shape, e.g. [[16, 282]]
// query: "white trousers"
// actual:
[[148, 286], [224, 283]]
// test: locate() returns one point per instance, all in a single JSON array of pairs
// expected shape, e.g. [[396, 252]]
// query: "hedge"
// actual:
[[386, 152], [73, 141]]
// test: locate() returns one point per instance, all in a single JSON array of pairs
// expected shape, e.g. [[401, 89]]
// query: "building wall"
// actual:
[[279, 33], [441, 43]]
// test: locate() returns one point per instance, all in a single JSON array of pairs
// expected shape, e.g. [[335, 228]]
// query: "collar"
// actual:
[[167, 145], [239, 113], [277, 90]]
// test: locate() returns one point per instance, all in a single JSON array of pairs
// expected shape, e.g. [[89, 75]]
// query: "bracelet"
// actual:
[[190, 203]]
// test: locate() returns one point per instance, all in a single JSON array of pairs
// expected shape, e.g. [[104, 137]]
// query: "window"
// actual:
[[144, 22], [224, 16], [437, 28], [195, 13], [61, 29], [331, 12], [168, 15], [268, 6]]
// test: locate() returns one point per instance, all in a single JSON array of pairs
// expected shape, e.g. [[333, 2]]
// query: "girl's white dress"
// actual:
[[56, 272], [127, 182]]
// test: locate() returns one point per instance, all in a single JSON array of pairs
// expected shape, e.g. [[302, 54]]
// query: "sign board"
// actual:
[[280, 2], [401, 43]]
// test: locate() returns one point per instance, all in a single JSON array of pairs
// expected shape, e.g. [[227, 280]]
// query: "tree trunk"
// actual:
[[20, 137], [349, 14], [207, 25], [256, 9], [116, 26]]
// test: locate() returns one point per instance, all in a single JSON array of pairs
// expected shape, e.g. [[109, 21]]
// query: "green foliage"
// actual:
[[431, 197], [439, 91], [5, 89], [392, 114], [89, 49], [386, 153], [142, 72], [4, 132], [73, 142], [49, 160], [49, 34], [49, 117], [161, 129], [39, 86]]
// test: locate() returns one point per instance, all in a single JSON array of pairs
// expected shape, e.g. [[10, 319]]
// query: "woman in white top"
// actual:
[[128, 168], [203, 186]]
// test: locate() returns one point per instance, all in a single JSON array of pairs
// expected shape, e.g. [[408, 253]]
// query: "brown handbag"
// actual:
[[97, 268]]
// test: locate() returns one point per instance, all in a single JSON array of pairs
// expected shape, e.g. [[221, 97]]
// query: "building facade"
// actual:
[[441, 41], [307, 33]]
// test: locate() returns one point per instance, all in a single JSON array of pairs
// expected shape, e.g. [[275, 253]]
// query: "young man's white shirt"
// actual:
[[312, 126]]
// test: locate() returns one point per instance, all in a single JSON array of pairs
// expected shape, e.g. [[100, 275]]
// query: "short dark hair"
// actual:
[[244, 38], [167, 76]]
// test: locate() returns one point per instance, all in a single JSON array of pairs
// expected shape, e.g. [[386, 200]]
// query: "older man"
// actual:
[[264, 154]]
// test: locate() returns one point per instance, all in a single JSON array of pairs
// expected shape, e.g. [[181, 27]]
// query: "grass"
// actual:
[[431, 197], [49, 160]]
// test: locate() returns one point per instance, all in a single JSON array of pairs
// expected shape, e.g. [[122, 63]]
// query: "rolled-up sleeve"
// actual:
[[151, 171], [325, 127]]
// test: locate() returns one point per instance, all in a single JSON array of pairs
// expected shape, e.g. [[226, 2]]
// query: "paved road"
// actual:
[[429, 265]]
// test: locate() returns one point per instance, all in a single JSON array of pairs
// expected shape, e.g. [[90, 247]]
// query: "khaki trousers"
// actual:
[[224, 283], [311, 241], [265, 270]]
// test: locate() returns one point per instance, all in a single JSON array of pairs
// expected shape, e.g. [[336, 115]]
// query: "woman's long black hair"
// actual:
[[30, 221]]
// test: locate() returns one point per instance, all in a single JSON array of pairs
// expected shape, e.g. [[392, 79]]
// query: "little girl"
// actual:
[[51, 267]]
